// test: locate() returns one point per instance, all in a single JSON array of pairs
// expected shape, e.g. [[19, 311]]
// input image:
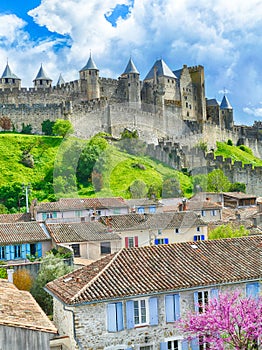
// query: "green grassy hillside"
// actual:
[[236, 154]]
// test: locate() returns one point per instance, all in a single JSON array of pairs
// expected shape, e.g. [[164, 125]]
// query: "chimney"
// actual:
[[10, 273]]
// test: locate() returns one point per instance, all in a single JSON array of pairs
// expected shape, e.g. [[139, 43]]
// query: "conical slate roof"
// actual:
[[8, 73], [41, 75], [60, 80], [90, 65], [130, 68], [225, 104], [162, 70]]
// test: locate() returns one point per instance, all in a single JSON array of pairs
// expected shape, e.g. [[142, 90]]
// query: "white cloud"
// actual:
[[223, 36], [256, 112]]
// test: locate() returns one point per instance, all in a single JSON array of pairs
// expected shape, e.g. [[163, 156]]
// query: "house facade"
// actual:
[[77, 209], [89, 240], [138, 230], [131, 299], [20, 240], [23, 324]]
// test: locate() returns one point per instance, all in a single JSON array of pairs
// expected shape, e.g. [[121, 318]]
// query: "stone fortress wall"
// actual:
[[168, 108]]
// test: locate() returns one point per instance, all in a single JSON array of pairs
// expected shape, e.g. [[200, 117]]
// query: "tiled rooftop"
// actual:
[[239, 195], [202, 205], [19, 309], [153, 221], [167, 267], [20, 217], [80, 232], [81, 203], [21, 232]]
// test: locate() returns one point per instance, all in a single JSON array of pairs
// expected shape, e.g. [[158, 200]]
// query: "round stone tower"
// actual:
[[132, 84], [89, 80], [42, 81], [226, 114]]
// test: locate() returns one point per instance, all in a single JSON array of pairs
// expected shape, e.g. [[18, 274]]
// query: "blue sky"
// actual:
[[223, 36]]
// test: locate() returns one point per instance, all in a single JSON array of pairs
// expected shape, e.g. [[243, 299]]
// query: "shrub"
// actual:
[[230, 142], [23, 279], [3, 273], [246, 149]]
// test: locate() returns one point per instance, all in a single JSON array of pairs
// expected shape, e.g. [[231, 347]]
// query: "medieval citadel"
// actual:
[[169, 109]]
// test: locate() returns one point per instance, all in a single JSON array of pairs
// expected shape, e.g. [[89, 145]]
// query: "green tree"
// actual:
[[88, 158], [26, 129], [227, 231], [47, 127], [171, 188], [238, 187], [51, 268], [62, 127], [138, 189], [3, 209], [217, 181]]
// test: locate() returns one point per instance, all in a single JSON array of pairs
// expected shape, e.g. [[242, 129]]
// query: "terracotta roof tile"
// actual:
[[80, 232], [82, 203], [154, 269], [19, 217], [239, 195], [202, 205], [153, 221], [22, 232], [19, 309]]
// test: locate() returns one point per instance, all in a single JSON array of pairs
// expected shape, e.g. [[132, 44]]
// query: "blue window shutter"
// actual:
[[12, 252], [153, 311], [8, 252], [195, 238], [177, 306], [252, 289], [202, 237], [214, 293], [54, 214], [28, 249], [170, 310], [184, 345], [166, 240], [119, 316], [23, 251], [156, 241], [111, 318], [130, 323], [39, 249], [44, 216], [196, 302], [195, 344], [163, 346]]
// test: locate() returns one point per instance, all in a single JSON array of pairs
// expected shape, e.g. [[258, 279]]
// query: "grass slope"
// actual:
[[236, 154], [43, 149]]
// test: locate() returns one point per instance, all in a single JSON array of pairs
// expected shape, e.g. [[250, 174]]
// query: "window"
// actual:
[[213, 212], [76, 249], [148, 347], [199, 238], [201, 299], [33, 249], [131, 242], [116, 211], [105, 247], [17, 251], [198, 229], [152, 209], [140, 312], [172, 307], [172, 345], [115, 317], [78, 213], [203, 345], [161, 241], [141, 210], [2, 253], [203, 213], [177, 230]]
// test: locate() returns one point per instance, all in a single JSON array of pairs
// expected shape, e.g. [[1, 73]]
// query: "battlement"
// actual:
[[194, 69]]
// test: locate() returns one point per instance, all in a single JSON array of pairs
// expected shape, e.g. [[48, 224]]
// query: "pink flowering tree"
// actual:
[[228, 322]]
